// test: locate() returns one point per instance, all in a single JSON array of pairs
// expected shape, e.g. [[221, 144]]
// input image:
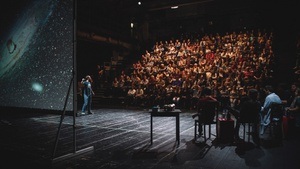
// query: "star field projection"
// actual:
[[36, 56]]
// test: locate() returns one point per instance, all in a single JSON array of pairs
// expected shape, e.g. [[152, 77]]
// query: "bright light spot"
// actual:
[[139, 3], [131, 25], [174, 7], [37, 87]]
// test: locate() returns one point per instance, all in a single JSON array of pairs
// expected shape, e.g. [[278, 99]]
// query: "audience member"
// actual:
[[205, 111], [248, 110], [271, 98], [294, 109]]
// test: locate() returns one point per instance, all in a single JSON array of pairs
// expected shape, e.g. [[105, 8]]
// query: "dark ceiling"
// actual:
[[157, 19]]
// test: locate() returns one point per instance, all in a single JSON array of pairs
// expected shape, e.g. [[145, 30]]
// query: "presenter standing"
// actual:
[[87, 93]]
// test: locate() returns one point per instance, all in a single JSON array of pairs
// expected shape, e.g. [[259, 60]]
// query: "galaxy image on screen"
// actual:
[[36, 54]]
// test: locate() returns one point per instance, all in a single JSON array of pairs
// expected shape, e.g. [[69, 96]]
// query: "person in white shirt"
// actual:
[[265, 109]]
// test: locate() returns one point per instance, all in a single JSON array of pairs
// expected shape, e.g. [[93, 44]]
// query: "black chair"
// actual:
[[248, 128], [249, 116], [276, 116], [207, 116]]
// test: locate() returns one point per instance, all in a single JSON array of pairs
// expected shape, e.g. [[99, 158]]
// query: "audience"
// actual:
[[229, 64], [232, 65]]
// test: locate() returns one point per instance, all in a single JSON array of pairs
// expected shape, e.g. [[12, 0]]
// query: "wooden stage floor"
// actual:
[[120, 139]]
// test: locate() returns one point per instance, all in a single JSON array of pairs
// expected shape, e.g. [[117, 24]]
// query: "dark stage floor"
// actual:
[[120, 138]]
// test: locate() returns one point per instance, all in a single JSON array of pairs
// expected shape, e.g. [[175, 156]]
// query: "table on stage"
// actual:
[[163, 113]]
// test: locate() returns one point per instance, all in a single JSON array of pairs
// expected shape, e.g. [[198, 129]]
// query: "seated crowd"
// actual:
[[176, 71], [235, 67], [231, 65]]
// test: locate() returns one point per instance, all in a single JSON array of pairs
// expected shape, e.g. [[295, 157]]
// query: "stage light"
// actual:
[[174, 7], [131, 25], [139, 3]]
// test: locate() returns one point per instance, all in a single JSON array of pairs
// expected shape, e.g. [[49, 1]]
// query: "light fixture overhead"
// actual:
[[139, 3], [177, 5]]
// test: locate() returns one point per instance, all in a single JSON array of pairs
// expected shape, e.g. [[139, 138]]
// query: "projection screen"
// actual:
[[36, 54]]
